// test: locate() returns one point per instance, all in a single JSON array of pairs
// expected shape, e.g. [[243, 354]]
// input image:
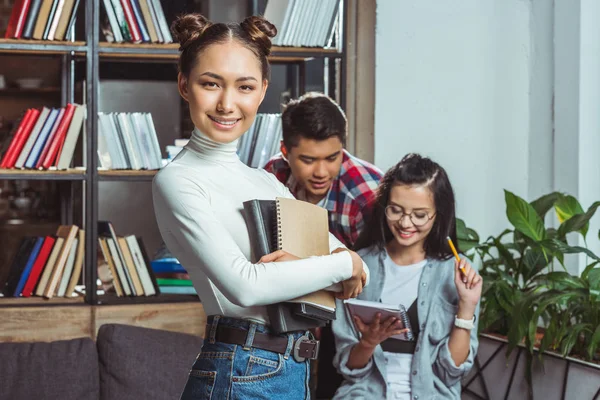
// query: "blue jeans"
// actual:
[[228, 371]]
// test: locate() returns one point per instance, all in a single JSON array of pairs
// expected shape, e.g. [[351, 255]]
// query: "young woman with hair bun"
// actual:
[[198, 201]]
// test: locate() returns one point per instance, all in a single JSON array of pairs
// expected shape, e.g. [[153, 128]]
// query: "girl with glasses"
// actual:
[[405, 243]]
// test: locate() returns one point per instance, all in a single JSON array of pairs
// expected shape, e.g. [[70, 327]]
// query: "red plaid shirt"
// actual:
[[350, 198]]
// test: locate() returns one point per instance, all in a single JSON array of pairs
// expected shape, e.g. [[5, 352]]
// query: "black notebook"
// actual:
[[266, 226]]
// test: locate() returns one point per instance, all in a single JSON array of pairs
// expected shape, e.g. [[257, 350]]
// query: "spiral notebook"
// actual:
[[301, 229], [366, 311]]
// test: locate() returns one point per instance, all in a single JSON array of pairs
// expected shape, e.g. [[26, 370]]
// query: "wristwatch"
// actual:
[[467, 324]]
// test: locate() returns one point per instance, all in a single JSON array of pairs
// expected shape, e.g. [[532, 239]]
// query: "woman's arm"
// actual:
[[195, 236]]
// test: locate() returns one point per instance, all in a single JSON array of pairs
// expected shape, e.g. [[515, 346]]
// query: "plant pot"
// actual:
[[495, 377]]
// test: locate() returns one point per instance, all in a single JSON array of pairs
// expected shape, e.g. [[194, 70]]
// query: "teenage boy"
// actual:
[[315, 167]]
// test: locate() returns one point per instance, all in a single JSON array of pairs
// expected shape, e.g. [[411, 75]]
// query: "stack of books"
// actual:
[[136, 21], [128, 272], [42, 19], [47, 266], [128, 141], [172, 278], [262, 141], [45, 139]]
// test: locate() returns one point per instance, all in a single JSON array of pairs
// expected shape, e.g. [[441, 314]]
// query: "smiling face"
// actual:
[[224, 90], [407, 199], [315, 164]]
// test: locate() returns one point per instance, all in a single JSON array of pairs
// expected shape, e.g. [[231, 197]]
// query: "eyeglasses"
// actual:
[[418, 218]]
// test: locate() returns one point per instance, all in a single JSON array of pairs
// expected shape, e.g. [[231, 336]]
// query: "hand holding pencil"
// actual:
[[467, 275]]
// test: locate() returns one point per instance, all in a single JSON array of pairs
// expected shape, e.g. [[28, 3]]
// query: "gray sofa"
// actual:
[[125, 363]]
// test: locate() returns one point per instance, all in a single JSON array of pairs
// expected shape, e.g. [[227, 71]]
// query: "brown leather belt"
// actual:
[[303, 347]]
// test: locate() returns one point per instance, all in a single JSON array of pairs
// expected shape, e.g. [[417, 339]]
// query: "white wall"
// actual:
[[452, 83], [503, 94]]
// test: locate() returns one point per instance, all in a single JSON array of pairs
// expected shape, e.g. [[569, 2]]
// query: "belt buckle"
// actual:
[[306, 347]]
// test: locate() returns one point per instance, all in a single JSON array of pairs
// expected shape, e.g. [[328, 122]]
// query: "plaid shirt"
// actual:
[[350, 198]]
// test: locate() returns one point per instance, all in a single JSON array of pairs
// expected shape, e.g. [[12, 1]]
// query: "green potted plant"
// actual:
[[529, 300]]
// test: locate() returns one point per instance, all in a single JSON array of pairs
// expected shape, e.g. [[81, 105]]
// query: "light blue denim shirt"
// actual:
[[434, 373]]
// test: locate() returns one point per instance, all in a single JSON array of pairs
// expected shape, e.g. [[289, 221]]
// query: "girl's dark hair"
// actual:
[[195, 33], [414, 169]]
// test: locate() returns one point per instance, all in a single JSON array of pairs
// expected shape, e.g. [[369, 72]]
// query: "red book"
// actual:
[[51, 137], [131, 21], [59, 137], [14, 138], [18, 16], [38, 266], [20, 138]]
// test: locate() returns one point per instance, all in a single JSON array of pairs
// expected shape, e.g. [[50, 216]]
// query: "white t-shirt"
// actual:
[[400, 287], [198, 204]]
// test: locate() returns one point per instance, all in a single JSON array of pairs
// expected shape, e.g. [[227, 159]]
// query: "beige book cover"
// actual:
[[111, 266], [303, 230], [68, 233], [79, 258], [135, 278], [49, 267], [42, 19]]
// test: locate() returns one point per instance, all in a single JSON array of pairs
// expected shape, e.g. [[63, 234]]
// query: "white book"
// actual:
[[162, 21], [154, 138], [130, 142], [140, 265], [75, 128], [66, 277], [121, 269], [275, 12], [112, 20]]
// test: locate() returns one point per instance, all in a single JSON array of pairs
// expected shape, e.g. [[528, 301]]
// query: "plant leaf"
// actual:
[[578, 222], [560, 247], [545, 203], [594, 343], [566, 206], [586, 271], [524, 217]]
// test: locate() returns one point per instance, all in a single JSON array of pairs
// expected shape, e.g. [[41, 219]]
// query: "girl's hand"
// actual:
[[468, 284], [377, 331], [279, 255]]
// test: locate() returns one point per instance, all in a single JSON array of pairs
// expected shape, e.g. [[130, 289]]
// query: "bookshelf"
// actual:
[[91, 52]]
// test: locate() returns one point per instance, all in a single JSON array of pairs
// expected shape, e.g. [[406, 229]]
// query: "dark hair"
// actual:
[[195, 33], [414, 169], [312, 116]]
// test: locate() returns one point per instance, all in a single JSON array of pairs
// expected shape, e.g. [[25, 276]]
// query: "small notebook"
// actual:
[[366, 311], [301, 229]]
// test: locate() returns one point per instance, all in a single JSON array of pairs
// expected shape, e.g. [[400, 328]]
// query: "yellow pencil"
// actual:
[[455, 253]]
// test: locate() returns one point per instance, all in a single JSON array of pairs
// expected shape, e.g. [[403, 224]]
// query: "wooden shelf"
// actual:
[[126, 175], [112, 299], [170, 52], [39, 301], [40, 47], [28, 174], [29, 91]]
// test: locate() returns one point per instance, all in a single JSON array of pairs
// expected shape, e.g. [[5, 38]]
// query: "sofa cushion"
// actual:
[[66, 369], [141, 363]]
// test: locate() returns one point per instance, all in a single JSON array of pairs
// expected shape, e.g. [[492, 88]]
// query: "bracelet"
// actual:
[[467, 324]]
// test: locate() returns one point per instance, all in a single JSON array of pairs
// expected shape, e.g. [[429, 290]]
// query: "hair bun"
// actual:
[[260, 31], [188, 28]]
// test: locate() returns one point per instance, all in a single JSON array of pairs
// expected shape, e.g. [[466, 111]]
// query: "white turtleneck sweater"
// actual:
[[198, 204]]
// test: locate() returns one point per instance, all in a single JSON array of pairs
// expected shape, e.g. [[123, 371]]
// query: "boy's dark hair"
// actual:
[[414, 169], [313, 116]]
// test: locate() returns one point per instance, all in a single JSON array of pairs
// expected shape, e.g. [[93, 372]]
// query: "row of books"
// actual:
[[128, 141], [45, 138], [134, 21], [41, 19], [307, 23], [47, 266], [262, 141], [123, 266]]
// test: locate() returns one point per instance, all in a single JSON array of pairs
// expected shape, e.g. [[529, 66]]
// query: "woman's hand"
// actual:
[[278, 255], [468, 285], [378, 331]]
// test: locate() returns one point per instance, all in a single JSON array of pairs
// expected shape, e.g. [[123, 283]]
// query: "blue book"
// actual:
[[34, 154], [169, 264], [30, 261], [178, 290], [137, 11]]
